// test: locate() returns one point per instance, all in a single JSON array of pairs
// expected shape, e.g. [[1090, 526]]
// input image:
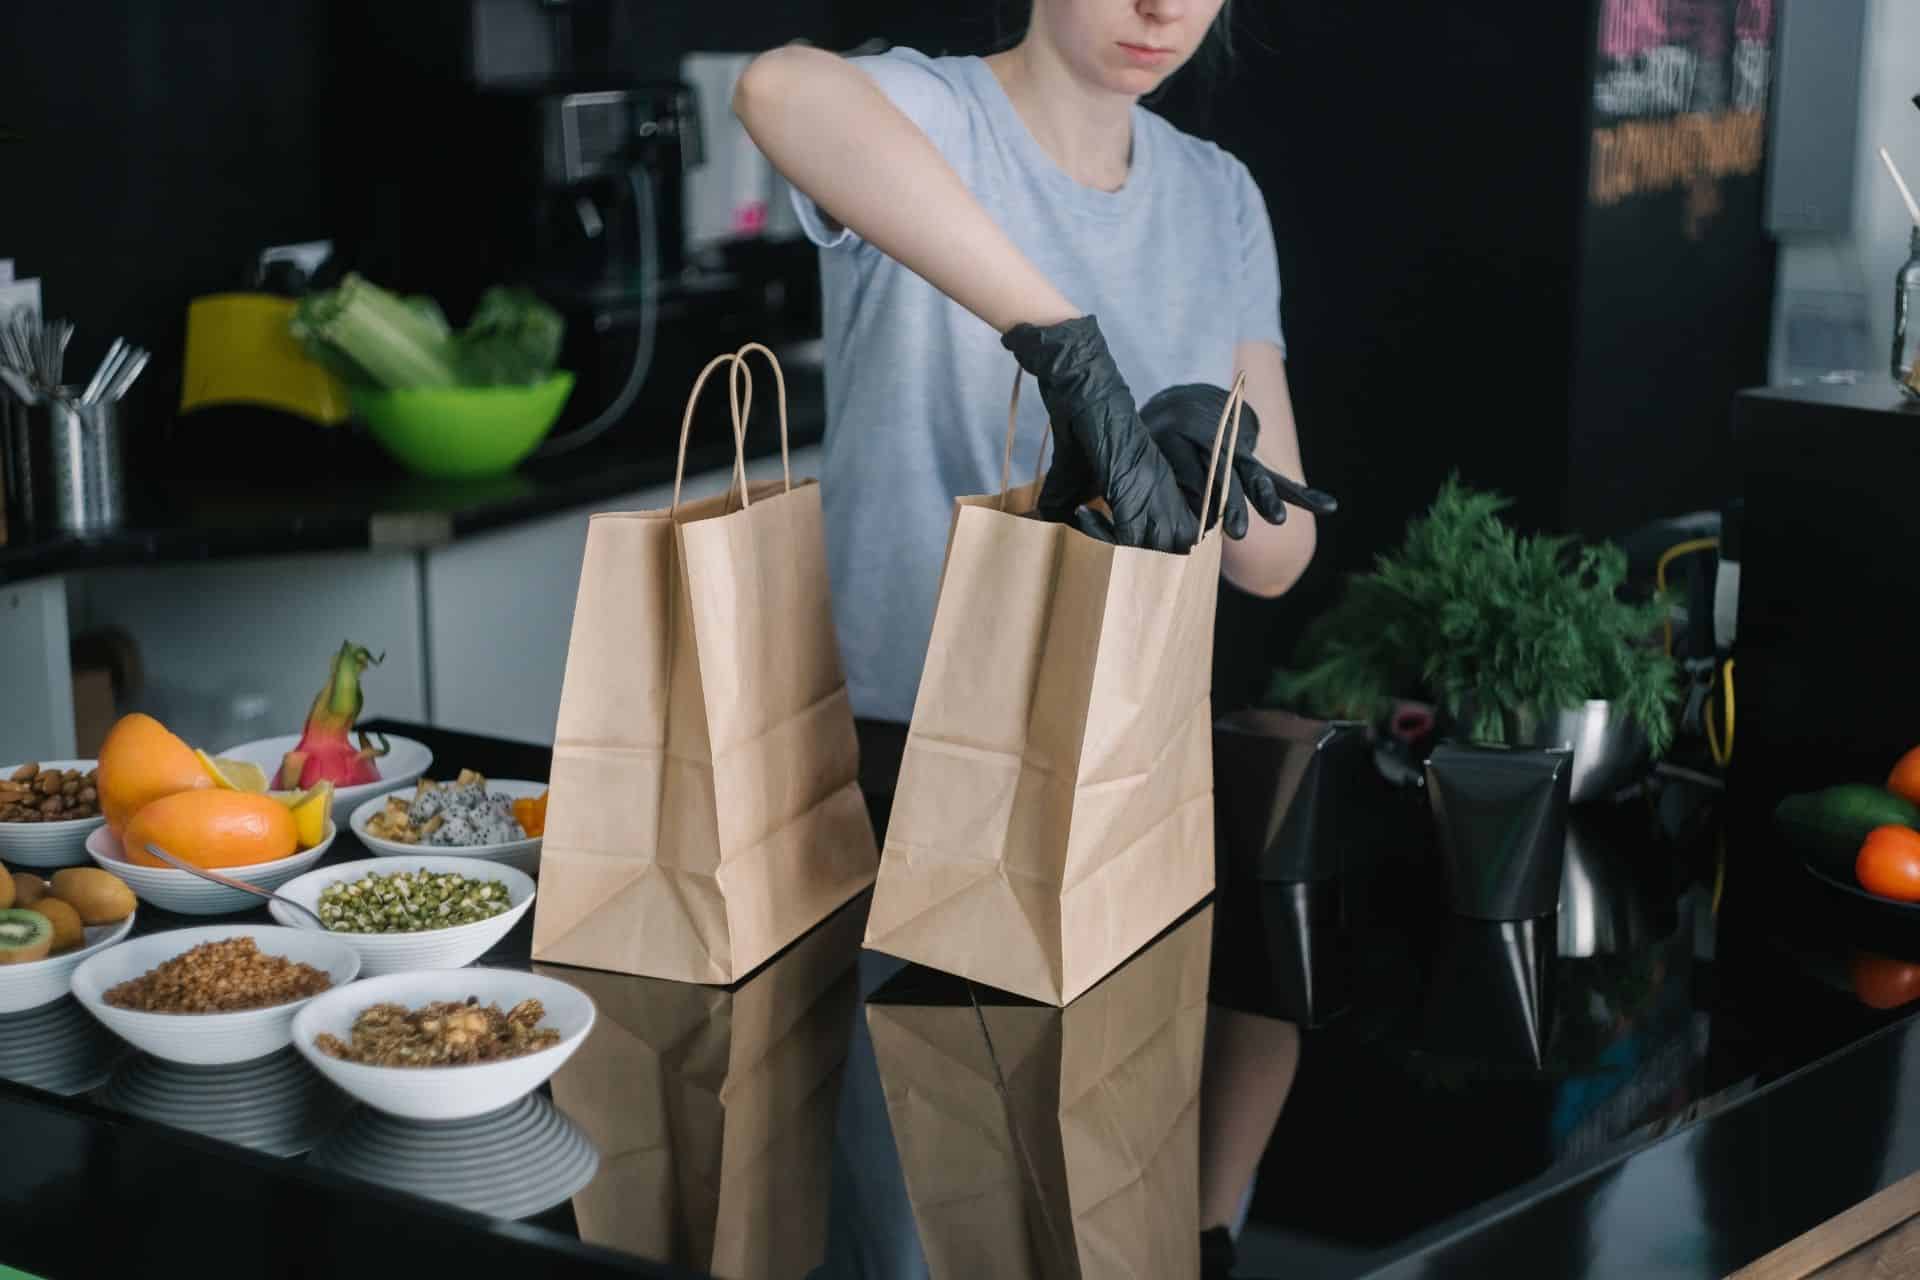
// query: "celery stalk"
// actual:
[[365, 329]]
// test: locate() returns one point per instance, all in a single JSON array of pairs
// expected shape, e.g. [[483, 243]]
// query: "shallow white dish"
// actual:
[[208, 1037], [400, 767], [189, 895], [444, 1093], [523, 855], [48, 844], [383, 953], [38, 982]]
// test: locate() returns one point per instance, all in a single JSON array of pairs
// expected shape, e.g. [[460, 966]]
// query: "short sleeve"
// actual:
[[1259, 319], [915, 84]]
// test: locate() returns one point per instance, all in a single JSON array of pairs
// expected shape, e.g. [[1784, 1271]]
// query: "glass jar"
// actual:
[[1906, 322]]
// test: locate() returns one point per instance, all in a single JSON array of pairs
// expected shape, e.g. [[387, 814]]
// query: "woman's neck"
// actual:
[[1088, 131]]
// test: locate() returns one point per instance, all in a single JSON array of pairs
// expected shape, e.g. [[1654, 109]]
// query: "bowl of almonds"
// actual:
[[48, 808]]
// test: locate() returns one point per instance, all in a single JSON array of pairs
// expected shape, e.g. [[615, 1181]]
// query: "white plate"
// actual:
[[400, 767], [48, 844], [382, 953], [208, 1037], [38, 982], [444, 1093], [523, 855], [188, 894]]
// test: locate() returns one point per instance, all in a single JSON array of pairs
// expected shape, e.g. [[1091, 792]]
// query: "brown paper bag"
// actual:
[[1058, 1144], [1055, 803], [714, 1109], [704, 809]]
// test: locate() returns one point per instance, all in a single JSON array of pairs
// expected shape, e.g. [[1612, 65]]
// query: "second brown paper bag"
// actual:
[[1055, 803], [704, 809]]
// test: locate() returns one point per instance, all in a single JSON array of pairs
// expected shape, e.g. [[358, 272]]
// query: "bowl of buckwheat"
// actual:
[[48, 808], [213, 994], [446, 1044], [422, 912]]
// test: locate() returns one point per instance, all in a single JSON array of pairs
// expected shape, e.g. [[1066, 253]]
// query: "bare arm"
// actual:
[[1271, 558], [829, 130]]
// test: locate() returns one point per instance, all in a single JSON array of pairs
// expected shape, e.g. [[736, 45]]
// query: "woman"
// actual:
[[1029, 191], [967, 205]]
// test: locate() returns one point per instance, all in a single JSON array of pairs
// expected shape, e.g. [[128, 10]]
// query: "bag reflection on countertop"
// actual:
[[714, 1108]]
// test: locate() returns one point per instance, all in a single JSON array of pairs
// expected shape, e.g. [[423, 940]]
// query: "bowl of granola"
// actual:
[[446, 1044], [212, 994], [471, 817], [421, 913]]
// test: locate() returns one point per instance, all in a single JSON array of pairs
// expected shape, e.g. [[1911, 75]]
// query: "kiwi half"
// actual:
[[24, 936]]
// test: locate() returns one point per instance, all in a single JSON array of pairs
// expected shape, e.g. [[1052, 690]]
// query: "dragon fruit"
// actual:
[[325, 752]]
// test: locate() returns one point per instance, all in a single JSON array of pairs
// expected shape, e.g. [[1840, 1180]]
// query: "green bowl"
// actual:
[[463, 431]]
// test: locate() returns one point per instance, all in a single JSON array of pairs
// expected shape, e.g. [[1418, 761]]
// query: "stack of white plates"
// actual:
[[38, 982], [512, 1163], [277, 1104], [48, 844], [58, 1047]]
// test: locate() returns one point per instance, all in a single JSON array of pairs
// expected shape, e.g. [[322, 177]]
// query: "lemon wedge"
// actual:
[[310, 809], [233, 775]]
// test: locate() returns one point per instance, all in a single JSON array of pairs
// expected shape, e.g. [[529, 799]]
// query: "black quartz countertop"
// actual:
[[241, 482], [1724, 1059]]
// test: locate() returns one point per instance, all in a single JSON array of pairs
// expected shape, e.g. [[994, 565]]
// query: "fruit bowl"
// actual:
[[444, 1093], [38, 982], [182, 891], [48, 844], [522, 855], [208, 1038], [463, 431], [384, 953], [400, 767]]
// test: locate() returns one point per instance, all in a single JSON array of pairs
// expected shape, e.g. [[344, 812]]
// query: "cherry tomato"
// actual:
[[1884, 982], [1889, 863]]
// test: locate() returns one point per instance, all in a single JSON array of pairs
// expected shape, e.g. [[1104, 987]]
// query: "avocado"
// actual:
[[1829, 825]]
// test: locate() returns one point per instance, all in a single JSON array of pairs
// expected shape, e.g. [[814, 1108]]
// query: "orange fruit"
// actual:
[[1904, 781], [140, 762], [1889, 863], [212, 828]]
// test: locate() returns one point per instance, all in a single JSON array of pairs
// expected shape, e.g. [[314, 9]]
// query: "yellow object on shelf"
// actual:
[[240, 352]]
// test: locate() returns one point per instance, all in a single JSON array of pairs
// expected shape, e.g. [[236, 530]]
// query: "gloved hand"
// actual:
[[1101, 448], [1182, 421]]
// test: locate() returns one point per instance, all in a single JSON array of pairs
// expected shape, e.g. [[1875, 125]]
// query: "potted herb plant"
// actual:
[[1510, 636]]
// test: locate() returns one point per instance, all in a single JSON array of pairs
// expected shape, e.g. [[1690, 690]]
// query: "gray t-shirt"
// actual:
[[1178, 266]]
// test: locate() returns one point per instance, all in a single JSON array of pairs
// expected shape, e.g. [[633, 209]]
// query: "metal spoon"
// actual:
[[242, 885]]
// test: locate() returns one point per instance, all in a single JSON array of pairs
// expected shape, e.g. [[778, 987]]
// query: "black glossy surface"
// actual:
[[1493, 1101]]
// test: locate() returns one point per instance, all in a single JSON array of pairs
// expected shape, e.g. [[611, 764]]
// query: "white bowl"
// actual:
[[444, 1093], [207, 1038], [188, 894], [48, 844], [38, 982], [400, 767], [382, 953], [523, 855]]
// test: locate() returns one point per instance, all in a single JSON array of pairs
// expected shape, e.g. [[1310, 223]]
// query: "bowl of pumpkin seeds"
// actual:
[[422, 912]]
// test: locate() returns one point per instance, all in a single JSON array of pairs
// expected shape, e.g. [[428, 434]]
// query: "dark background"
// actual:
[[1450, 300]]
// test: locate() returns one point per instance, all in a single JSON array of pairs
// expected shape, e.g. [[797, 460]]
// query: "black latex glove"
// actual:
[[1101, 448], [1182, 421]]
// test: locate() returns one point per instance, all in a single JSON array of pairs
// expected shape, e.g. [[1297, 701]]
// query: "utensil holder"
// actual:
[[1501, 814], [64, 469], [1286, 789]]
